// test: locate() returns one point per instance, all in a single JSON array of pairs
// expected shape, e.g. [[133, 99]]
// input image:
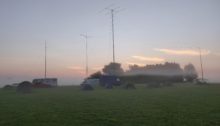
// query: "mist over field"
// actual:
[[145, 33], [109, 62]]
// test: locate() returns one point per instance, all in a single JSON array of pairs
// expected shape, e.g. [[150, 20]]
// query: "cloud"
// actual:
[[81, 70], [78, 68], [75, 68], [97, 68], [152, 59], [132, 63], [188, 52], [217, 54]]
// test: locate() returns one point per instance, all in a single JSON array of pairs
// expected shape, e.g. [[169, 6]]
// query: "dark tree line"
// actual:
[[166, 69], [158, 72]]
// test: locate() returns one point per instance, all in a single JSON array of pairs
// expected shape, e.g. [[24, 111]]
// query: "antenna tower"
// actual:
[[86, 39], [45, 67], [201, 64], [113, 11]]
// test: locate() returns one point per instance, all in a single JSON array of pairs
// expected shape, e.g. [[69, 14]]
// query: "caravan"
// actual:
[[45, 82]]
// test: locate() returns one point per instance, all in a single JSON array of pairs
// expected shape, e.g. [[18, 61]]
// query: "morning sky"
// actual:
[[146, 32]]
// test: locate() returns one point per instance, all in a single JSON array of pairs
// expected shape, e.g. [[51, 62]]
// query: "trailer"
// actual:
[[109, 80], [45, 82]]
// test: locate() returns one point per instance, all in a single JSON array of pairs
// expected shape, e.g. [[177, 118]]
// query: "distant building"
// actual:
[[45, 82]]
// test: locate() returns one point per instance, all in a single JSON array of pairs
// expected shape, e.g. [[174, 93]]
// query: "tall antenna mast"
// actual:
[[113, 35], [45, 67], [201, 64], [113, 11], [86, 39]]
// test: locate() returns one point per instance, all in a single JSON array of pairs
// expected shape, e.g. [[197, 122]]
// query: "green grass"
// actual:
[[68, 106]]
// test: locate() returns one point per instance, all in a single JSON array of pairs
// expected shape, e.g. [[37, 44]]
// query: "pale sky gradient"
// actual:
[[146, 32]]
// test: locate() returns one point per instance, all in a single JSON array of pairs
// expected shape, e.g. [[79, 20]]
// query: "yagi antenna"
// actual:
[[107, 8]]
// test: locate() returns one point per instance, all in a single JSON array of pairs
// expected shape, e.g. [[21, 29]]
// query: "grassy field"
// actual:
[[184, 105]]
